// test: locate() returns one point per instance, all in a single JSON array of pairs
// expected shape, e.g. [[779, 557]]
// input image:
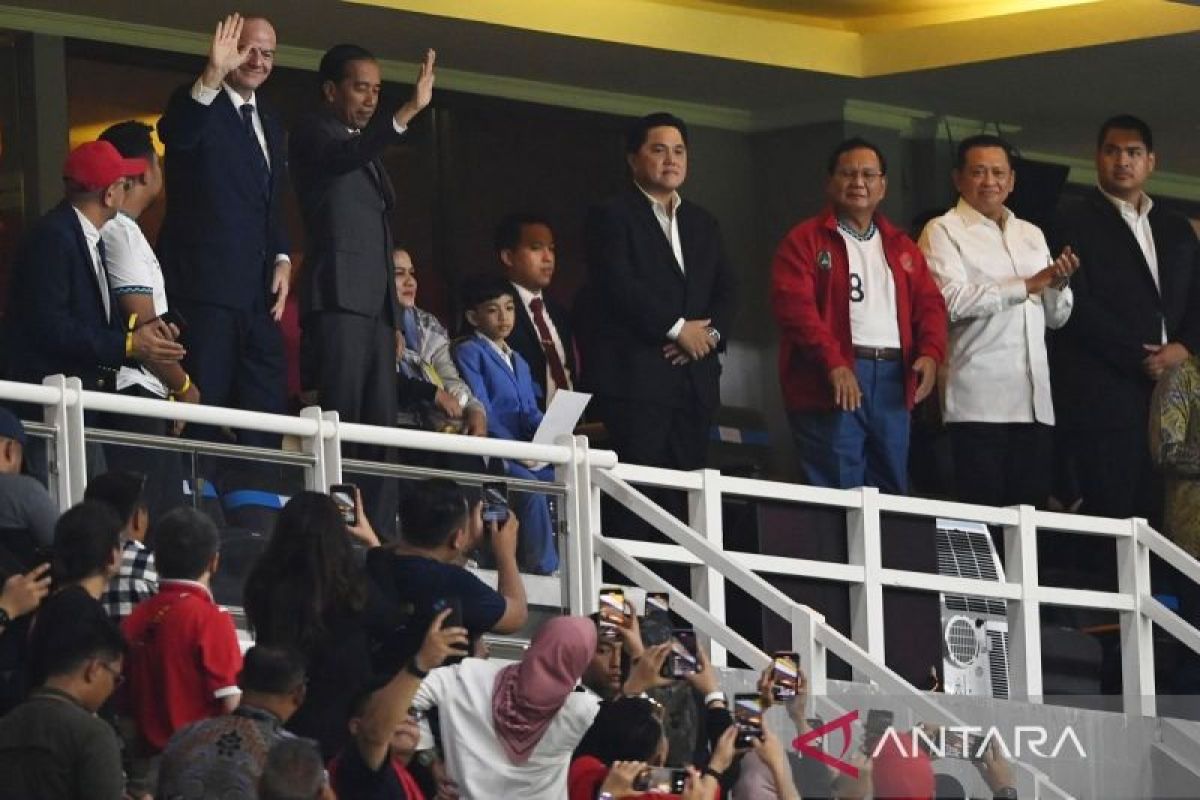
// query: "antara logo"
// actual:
[[970, 740]]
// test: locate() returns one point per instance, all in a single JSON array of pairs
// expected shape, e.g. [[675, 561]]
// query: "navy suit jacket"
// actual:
[[637, 291], [55, 320], [224, 223], [1096, 358], [526, 341], [346, 197], [507, 395]]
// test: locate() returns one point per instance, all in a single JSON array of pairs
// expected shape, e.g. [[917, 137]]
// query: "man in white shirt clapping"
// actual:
[[1002, 289]]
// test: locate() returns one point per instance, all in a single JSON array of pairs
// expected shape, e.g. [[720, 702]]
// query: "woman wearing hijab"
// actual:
[[509, 731]]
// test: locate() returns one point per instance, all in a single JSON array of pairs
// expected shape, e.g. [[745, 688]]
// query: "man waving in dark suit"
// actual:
[[349, 308], [663, 295], [223, 247]]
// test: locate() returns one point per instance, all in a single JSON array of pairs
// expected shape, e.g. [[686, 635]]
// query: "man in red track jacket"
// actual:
[[863, 329]]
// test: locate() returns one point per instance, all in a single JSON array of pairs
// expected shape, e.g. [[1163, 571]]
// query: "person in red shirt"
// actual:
[[184, 657], [862, 330]]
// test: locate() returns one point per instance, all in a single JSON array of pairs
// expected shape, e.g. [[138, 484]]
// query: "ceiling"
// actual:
[[1052, 100]]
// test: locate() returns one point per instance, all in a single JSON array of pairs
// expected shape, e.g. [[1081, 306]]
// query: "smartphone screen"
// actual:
[[455, 618], [173, 317], [748, 716], [972, 749], [786, 674], [612, 612], [658, 604], [684, 658], [660, 780], [495, 501], [343, 495]]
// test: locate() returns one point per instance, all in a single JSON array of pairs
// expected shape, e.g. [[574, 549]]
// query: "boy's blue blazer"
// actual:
[[508, 395]]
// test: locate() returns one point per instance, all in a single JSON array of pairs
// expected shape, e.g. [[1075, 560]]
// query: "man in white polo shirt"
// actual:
[[1002, 289], [862, 329]]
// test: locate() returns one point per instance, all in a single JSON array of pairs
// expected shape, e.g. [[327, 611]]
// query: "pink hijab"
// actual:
[[527, 695]]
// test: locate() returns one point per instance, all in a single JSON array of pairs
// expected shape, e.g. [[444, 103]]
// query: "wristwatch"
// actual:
[[713, 334], [605, 796]]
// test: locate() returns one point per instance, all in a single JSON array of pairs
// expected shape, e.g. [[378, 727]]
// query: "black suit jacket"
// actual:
[[55, 320], [346, 196], [224, 224], [637, 291], [526, 341], [1096, 358]]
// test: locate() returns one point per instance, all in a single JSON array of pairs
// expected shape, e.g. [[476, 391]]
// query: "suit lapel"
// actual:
[[498, 361], [252, 160], [1166, 276], [653, 230], [85, 253], [1107, 210]]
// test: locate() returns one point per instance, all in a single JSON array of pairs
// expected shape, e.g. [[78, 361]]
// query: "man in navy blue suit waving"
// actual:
[[223, 246]]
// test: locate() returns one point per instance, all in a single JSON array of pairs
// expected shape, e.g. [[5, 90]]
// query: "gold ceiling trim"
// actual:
[[861, 47]]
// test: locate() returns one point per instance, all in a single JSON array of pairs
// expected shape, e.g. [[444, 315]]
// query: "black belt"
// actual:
[[877, 353]]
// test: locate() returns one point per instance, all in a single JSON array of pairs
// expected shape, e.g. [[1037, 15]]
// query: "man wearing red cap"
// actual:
[[61, 318]]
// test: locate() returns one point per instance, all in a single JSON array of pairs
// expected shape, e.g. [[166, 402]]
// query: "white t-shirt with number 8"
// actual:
[[873, 317]]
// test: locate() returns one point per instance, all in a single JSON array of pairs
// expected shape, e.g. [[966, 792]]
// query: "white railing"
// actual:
[[583, 474]]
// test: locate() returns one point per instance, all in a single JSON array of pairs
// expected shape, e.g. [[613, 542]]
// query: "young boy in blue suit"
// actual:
[[501, 381]]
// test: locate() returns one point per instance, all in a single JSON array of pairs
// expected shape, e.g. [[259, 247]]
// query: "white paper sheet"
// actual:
[[562, 416]]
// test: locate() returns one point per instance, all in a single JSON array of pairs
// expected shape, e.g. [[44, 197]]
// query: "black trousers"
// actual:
[[654, 435], [1002, 463], [1117, 478], [235, 357], [164, 469], [352, 359]]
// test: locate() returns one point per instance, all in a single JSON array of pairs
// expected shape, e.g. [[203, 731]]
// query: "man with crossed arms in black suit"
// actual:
[[223, 246], [664, 295], [1136, 315]]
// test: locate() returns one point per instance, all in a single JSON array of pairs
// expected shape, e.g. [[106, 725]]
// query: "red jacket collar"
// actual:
[[829, 221]]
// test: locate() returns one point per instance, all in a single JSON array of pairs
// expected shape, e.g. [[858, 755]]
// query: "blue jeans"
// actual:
[[867, 447], [537, 551]]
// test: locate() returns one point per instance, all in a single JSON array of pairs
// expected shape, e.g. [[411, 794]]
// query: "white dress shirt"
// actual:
[[134, 269], [668, 220], [526, 297], [475, 758], [92, 237], [1137, 217], [998, 370], [874, 319]]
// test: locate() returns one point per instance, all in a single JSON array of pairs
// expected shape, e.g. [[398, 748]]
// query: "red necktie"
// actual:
[[557, 372]]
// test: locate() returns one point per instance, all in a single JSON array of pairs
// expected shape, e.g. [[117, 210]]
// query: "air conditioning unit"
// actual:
[[974, 629]]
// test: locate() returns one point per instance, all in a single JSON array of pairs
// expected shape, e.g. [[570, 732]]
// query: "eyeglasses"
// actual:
[[117, 676], [851, 175]]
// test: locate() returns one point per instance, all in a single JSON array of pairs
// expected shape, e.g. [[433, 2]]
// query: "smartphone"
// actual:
[[658, 604], [876, 725], [975, 746], [612, 612], [455, 618], [495, 501], [660, 779], [684, 658], [344, 495], [748, 716], [786, 674]]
